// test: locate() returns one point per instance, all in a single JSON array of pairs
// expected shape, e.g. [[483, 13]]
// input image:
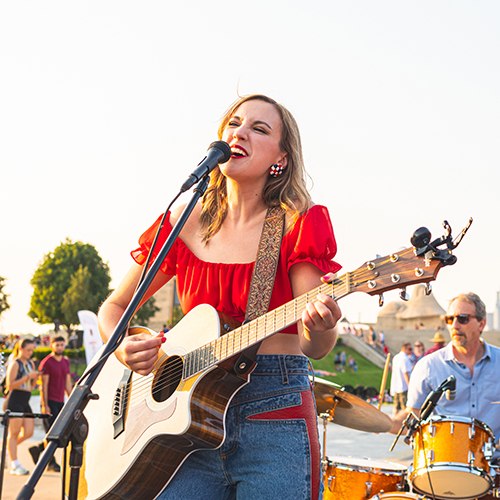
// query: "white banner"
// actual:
[[91, 337]]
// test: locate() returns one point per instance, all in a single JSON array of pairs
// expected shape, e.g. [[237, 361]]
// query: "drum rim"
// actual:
[[398, 469], [458, 418], [456, 467], [401, 494]]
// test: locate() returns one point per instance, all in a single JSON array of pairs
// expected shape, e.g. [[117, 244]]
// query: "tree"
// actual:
[[78, 297], [145, 313], [70, 278], [4, 305]]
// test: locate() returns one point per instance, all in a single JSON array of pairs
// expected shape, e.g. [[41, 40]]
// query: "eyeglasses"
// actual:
[[463, 319], [419, 345]]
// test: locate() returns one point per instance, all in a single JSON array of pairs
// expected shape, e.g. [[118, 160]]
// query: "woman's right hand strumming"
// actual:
[[139, 352]]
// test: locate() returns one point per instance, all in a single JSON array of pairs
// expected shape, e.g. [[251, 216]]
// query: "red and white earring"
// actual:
[[276, 170]]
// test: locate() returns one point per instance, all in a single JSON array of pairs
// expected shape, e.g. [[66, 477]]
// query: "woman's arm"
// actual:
[[317, 335], [12, 383], [137, 352]]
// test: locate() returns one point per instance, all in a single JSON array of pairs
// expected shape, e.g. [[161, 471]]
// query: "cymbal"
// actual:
[[350, 411]]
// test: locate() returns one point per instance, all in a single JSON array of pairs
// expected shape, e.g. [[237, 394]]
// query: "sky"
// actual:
[[107, 107]]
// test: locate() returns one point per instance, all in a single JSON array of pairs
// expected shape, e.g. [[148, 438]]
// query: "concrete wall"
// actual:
[[364, 349]]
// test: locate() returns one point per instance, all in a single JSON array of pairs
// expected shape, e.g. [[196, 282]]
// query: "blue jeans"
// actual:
[[271, 449]]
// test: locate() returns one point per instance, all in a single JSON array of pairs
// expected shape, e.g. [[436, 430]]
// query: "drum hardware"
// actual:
[[412, 422], [489, 449], [368, 489]]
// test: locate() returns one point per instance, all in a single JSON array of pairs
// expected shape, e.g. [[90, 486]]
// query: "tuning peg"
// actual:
[[428, 289], [403, 295], [381, 300], [421, 238]]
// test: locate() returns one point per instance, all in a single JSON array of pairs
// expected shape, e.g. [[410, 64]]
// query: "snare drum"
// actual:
[[451, 458], [398, 496], [358, 478]]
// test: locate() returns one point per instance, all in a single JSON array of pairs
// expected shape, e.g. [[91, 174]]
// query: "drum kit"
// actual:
[[451, 460]]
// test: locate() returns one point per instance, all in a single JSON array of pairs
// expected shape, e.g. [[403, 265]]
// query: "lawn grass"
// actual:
[[367, 375]]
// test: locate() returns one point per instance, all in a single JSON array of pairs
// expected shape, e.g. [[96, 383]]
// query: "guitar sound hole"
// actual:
[[167, 379]]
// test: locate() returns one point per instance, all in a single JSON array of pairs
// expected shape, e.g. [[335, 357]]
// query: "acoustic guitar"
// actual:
[[142, 428]]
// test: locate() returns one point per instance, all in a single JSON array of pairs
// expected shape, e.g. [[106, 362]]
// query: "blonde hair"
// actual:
[[288, 190], [16, 352]]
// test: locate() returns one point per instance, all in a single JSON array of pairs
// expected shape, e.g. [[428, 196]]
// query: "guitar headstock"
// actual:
[[397, 270], [419, 263]]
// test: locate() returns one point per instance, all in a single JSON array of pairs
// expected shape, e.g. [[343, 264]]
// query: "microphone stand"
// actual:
[[71, 424], [412, 421]]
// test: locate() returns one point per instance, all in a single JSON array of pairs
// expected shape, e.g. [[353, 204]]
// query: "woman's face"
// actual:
[[254, 134], [27, 351]]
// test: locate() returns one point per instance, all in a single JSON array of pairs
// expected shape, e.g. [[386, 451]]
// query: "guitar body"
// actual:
[[159, 428]]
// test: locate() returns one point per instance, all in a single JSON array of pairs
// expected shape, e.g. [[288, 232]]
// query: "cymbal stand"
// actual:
[[326, 417]]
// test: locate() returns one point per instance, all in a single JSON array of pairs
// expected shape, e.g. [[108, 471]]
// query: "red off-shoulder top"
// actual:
[[226, 286]]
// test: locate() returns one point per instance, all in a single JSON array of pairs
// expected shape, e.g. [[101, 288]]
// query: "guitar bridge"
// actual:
[[120, 403]]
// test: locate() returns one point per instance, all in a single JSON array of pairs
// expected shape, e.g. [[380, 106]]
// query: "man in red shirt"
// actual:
[[56, 381]]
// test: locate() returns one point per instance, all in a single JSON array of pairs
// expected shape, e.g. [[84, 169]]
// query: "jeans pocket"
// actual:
[[263, 407]]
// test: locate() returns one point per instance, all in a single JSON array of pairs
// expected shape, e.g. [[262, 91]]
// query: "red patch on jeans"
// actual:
[[307, 412]]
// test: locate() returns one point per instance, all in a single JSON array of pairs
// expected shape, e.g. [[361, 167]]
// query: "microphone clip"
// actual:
[[411, 422]]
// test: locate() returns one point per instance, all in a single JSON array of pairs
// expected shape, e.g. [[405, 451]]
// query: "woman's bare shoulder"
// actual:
[[192, 226], [177, 212]]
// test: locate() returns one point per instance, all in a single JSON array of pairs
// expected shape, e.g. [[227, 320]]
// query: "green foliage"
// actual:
[[42, 352], [146, 312], [70, 278], [4, 305], [177, 315], [78, 297], [368, 374]]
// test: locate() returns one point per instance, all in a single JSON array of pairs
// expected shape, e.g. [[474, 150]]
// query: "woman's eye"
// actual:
[[232, 124], [261, 130]]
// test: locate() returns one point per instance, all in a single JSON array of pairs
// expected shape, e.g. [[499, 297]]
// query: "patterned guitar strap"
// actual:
[[262, 283]]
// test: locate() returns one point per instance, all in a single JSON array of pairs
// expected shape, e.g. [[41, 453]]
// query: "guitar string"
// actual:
[[165, 380], [226, 339], [143, 387], [171, 376]]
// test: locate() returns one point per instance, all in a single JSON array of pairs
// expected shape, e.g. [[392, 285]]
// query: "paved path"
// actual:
[[340, 441]]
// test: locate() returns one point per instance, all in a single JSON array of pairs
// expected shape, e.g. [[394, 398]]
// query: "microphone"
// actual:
[[432, 399], [451, 392], [218, 152]]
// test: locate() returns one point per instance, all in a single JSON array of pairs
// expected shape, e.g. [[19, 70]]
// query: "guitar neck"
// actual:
[[259, 329]]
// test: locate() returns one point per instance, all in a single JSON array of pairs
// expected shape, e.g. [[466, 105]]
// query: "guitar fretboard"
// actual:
[[258, 329]]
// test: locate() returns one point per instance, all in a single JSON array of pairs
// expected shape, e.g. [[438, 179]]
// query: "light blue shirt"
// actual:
[[474, 395]]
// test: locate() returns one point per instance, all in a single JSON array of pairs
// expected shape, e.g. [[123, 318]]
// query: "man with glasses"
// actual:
[[474, 363]]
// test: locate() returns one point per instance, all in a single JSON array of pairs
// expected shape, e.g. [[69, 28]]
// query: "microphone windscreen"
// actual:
[[224, 147]]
